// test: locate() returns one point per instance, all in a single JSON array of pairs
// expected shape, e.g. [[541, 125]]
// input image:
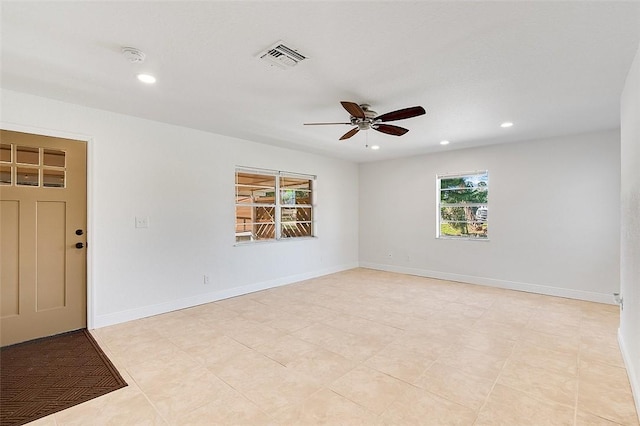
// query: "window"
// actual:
[[463, 205], [273, 205]]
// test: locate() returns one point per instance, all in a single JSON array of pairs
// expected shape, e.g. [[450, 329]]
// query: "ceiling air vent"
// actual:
[[281, 56]]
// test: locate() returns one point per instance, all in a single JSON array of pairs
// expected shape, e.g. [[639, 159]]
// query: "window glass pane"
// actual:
[[479, 180], [5, 153], [463, 196], [264, 214], [295, 197], [463, 230], [463, 221], [53, 178], [5, 175], [255, 188], [53, 157], [255, 194], [296, 222], [250, 179], [255, 223], [264, 231], [27, 177], [468, 214], [288, 214], [295, 183], [243, 218], [448, 183], [296, 229], [295, 191], [27, 155]]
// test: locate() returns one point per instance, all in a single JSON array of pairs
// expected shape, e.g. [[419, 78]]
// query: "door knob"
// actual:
[[79, 232], [79, 245]]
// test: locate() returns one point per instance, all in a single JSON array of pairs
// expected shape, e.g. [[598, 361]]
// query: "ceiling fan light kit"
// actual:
[[363, 118]]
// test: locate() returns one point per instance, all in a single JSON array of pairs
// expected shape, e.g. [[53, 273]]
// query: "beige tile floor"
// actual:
[[367, 347]]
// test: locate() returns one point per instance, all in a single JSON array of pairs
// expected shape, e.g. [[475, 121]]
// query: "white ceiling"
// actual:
[[550, 67]]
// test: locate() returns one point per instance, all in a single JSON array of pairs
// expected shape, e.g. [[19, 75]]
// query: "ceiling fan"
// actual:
[[364, 119]]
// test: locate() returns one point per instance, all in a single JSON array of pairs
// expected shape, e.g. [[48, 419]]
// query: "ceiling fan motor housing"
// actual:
[[365, 123]]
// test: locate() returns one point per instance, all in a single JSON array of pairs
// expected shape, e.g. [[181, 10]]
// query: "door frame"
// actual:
[[88, 140]]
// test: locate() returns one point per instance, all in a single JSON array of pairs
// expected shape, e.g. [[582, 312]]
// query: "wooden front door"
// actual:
[[43, 224]]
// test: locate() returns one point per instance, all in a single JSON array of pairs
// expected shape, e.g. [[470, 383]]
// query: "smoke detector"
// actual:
[[133, 55], [281, 56]]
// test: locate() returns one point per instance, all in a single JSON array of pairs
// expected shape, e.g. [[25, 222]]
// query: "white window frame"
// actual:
[[439, 205], [278, 205]]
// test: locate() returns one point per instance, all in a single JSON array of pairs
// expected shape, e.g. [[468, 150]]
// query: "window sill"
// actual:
[[463, 239], [282, 240]]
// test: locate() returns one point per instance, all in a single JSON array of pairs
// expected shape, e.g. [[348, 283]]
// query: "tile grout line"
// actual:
[[486, 400]]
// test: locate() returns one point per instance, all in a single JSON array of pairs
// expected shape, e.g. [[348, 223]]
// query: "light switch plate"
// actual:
[[142, 221]]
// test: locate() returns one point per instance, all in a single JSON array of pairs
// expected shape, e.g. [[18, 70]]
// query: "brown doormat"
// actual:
[[47, 375]]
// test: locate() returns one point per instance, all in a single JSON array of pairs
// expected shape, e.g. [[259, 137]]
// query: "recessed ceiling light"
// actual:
[[444, 142], [146, 78], [375, 147], [506, 124]]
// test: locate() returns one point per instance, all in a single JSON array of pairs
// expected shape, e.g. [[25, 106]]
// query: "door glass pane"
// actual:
[[27, 177], [5, 153], [53, 157], [27, 155], [5, 175], [53, 178]]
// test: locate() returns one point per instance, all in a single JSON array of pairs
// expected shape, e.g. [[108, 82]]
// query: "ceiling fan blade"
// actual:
[[353, 109], [349, 133], [391, 130], [401, 114], [324, 124]]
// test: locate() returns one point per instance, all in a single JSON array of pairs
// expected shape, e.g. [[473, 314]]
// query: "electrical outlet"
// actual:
[[205, 280]]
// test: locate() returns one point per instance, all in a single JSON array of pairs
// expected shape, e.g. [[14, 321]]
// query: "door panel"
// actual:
[[50, 255], [9, 214], [43, 195]]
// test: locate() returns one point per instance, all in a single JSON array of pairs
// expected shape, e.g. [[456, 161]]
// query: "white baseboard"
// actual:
[[631, 372], [188, 302], [491, 282]]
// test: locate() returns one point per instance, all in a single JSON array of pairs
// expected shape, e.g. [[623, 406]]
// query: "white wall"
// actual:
[[630, 227], [553, 216], [183, 180]]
